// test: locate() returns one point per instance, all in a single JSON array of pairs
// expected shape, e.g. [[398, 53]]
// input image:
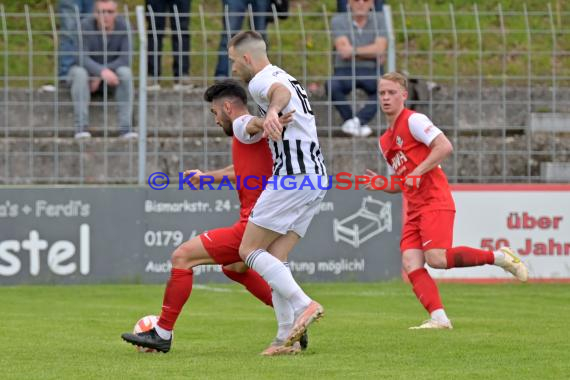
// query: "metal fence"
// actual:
[[496, 81]]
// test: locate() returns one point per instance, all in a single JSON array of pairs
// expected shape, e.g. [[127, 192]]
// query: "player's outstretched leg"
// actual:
[[426, 289], [177, 292], [470, 257], [511, 263]]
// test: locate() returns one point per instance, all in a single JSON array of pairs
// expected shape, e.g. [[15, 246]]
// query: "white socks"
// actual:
[[499, 258], [278, 277], [439, 315], [299, 302], [283, 312], [163, 333]]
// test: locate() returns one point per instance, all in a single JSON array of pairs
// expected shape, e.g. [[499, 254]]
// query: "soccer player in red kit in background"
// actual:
[[413, 147], [251, 158]]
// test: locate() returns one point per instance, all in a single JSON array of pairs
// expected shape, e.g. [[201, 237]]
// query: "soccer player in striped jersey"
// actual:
[[414, 148], [251, 158], [281, 217]]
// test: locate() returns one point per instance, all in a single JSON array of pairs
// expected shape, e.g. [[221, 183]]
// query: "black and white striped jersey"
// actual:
[[298, 152]]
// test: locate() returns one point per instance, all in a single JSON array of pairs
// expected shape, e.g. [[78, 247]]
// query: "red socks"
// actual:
[[179, 287], [252, 282], [424, 286], [425, 289], [468, 257], [176, 294]]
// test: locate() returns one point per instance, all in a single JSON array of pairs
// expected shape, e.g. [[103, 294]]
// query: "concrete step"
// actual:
[[170, 113], [549, 122]]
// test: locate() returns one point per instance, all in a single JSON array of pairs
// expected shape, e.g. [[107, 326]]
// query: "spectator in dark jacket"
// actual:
[[179, 27], [237, 10], [104, 61]]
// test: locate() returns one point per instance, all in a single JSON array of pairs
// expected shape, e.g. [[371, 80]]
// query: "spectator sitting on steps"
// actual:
[[103, 61]]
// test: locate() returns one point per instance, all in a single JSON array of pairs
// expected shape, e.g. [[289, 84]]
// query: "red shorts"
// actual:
[[223, 243], [431, 229]]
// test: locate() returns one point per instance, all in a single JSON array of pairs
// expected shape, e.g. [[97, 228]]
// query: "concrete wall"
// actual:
[[181, 130]]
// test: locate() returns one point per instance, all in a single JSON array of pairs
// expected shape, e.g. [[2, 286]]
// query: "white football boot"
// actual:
[[514, 265]]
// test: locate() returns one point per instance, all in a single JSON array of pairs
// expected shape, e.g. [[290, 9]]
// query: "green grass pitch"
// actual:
[[504, 331]]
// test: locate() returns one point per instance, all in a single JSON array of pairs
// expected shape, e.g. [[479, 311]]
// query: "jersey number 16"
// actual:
[[302, 96]]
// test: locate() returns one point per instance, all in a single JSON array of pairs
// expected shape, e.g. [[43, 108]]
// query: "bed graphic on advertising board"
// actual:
[[372, 218]]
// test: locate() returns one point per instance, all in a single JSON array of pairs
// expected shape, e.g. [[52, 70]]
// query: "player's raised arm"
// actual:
[[255, 125], [279, 96], [218, 175], [227, 172]]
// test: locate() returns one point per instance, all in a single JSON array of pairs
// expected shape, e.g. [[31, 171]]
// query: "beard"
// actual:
[[228, 129], [245, 76]]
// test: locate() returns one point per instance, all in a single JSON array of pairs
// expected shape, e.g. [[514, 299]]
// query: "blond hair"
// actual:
[[397, 77]]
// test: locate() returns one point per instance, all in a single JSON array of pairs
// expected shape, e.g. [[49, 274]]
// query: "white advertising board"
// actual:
[[534, 220]]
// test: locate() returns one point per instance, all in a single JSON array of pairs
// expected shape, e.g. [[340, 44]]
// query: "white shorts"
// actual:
[[282, 210]]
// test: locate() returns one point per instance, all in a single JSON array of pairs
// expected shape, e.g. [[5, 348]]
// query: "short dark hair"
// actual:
[[225, 88], [244, 36]]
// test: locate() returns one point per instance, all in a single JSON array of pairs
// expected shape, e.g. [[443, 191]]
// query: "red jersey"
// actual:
[[250, 160], [405, 146]]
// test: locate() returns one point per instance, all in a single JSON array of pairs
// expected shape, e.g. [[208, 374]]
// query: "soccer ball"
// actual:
[[145, 324]]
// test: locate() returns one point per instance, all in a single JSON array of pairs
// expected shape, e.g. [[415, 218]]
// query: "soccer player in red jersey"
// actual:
[[414, 148], [251, 157]]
